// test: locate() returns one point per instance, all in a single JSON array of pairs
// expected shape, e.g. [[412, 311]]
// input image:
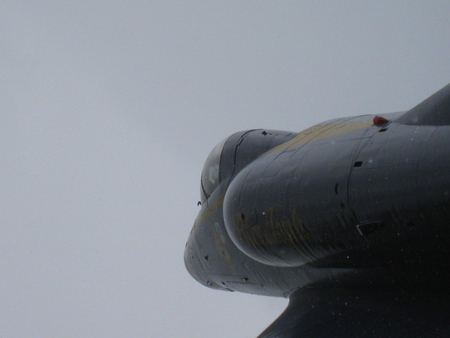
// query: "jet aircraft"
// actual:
[[349, 219]]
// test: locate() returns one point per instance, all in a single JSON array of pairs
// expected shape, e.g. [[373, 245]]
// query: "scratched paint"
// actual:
[[272, 232], [321, 131]]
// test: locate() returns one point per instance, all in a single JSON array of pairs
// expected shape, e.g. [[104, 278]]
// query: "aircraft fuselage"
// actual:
[[355, 203]]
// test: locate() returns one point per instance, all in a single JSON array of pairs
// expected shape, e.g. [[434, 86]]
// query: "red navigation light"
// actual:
[[379, 121]]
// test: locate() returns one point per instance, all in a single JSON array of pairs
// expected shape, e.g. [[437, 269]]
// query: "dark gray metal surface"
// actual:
[[345, 205]]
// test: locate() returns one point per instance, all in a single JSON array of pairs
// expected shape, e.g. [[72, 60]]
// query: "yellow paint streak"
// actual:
[[222, 251], [273, 231], [321, 131], [217, 203]]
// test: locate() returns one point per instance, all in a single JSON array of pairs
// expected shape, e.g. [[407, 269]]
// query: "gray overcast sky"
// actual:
[[109, 109]]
